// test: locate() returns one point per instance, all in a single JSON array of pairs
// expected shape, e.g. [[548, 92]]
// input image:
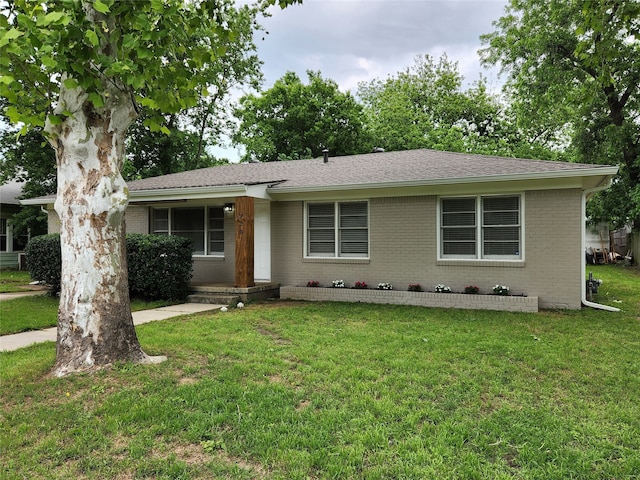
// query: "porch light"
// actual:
[[228, 208]]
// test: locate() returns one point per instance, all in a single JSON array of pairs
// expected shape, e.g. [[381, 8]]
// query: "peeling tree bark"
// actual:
[[95, 326]]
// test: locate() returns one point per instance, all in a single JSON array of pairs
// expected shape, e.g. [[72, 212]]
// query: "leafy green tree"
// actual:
[[292, 120], [425, 106], [82, 71], [150, 154], [574, 71], [194, 130]]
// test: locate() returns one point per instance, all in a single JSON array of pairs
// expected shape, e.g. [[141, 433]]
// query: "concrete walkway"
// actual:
[[11, 296], [19, 340]]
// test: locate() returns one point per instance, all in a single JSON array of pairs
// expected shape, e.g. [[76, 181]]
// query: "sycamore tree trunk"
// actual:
[[95, 326]]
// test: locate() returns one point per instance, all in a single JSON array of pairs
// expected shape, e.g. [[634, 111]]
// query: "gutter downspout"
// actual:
[[583, 269]]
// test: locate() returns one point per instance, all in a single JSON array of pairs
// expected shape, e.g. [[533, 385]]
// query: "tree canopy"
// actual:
[[45, 44], [574, 70], [292, 120], [150, 154], [426, 106]]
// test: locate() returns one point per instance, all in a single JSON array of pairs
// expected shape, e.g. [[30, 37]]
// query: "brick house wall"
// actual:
[[403, 250], [136, 218]]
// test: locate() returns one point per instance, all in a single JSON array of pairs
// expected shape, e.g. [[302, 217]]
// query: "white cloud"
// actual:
[[349, 39]]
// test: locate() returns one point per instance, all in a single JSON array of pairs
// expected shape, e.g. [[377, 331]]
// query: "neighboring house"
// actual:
[[10, 244], [418, 216]]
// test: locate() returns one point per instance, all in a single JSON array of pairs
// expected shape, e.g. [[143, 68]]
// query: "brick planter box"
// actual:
[[423, 299]]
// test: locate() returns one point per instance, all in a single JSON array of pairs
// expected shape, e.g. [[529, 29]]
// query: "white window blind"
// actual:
[[354, 229], [338, 229], [481, 227], [459, 226], [321, 229], [501, 226]]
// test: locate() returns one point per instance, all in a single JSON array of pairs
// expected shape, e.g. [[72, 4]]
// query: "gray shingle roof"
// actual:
[[9, 193], [410, 166]]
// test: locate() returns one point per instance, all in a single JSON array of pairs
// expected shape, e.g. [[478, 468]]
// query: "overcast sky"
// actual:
[[351, 41]]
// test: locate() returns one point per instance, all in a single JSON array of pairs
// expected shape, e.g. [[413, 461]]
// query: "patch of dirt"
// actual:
[[187, 381], [125, 476], [257, 470], [490, 403], [276, 379], [511, 459], [194, 455], [120, 447], [304, 404], [191, 454], [273, 335]]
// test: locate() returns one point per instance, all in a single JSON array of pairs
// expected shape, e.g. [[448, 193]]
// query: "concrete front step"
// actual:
[[258, 292], [213, 298]]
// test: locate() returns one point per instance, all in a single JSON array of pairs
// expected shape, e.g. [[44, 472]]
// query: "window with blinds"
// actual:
[[354, 229], [458, 227], [500, 226], [3, 235], [215, 234], [161, 221], [481, 227], [189, 223], [204, 231], [321, 235], [338, 229]]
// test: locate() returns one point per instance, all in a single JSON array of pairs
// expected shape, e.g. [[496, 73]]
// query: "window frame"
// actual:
[[4, 235], [337, 231], [206, 223], [480, 230]]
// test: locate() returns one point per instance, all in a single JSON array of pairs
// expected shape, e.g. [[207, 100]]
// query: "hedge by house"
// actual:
[[159, 266], [44, 260]]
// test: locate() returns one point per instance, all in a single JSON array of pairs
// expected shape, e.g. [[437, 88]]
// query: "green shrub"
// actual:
[[159, 266], [44, 260]]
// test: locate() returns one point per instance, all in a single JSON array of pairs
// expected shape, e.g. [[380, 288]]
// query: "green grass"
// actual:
[[14, 281], [41, 311], [293, 390]]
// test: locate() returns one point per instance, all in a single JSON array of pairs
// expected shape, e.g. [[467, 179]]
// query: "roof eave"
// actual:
[[601, 172], [38, 201], [199, 193]]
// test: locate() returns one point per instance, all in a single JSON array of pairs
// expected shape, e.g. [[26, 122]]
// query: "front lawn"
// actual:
[[14, 281], [284, 390], [41, 311]]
